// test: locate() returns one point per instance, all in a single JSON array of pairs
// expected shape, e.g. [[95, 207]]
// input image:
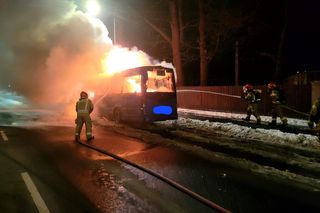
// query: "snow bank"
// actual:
[[246, 133]]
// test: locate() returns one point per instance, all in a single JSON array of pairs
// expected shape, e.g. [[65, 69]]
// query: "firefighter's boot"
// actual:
[[273, 123], [258, 120], [90, 138], [246, 118], [284, 122]]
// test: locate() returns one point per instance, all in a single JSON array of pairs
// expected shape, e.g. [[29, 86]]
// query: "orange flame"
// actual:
[[118, 59], [135, 86]]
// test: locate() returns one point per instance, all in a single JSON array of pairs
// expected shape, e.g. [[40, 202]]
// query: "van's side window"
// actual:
[[132, 84]]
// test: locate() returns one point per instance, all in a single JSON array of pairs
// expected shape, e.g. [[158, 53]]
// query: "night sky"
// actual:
[[303, 43], [258, 33]]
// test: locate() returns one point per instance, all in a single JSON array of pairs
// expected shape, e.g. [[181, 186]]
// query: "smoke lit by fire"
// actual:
[[50, 51], [118, 59]]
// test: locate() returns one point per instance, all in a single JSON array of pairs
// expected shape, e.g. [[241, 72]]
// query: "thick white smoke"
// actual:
[[50, 51]]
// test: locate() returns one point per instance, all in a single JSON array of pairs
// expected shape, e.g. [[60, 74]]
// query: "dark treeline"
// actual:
[[276, 38]]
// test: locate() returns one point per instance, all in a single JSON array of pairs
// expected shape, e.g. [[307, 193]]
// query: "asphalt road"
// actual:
[[25, 153], [72, 178]]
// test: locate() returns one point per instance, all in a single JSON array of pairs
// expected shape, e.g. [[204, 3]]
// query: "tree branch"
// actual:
[[163, 34]]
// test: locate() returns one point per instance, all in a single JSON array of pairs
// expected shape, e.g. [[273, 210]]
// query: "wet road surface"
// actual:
[[73, 178]]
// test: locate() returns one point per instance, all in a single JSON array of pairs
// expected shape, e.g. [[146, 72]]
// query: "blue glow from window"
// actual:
[[162, 110]]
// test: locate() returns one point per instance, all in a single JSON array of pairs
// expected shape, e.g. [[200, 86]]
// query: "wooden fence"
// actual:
[[227, 99]]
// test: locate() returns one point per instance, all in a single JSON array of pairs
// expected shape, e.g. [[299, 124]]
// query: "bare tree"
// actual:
[[278, 62], [181, 21], [223, 24], [175, 34], [174, 39], [183, 29], [202, 45], [276, 57]]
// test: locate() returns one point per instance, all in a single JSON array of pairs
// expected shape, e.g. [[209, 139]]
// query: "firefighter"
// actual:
[[276, 101], [252, 100], [314, 117], [84, 107]]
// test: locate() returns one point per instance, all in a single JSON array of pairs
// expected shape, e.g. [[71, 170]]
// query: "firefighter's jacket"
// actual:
[[314, 115], [84, 106], [250, 97], [275, 96]]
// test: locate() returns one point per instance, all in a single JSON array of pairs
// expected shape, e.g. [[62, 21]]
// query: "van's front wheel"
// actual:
[[117, 116]]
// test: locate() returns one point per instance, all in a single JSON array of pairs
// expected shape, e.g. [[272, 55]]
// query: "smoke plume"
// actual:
[[50, 51]]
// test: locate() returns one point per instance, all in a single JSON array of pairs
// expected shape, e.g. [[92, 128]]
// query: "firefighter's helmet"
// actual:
[[247, 87], [272, 85], [83, 94]]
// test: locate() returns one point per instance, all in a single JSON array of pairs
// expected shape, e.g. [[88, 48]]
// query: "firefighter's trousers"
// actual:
[[277, 111], [317, 129], [252, 109], [83, 118]]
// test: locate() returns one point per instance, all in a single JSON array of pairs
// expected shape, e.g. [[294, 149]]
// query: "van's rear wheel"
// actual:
[[117, 116]]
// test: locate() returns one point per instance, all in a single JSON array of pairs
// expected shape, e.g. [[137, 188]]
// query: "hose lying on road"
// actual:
[[164, 179]]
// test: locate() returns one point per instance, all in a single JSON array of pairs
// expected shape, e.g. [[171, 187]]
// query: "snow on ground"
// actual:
[[238, 131], [291, 121]]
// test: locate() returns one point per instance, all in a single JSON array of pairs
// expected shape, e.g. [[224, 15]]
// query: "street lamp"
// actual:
[[93, 7]]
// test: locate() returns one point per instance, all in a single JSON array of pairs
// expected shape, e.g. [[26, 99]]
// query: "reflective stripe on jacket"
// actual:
[[84, 105]]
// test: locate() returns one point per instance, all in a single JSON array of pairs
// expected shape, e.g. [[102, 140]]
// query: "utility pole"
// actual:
[[114, 30], [236, 68]]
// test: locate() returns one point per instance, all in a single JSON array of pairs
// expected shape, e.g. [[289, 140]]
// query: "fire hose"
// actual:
[[209, 92], [105, 93], [293, 110], [172, 183]]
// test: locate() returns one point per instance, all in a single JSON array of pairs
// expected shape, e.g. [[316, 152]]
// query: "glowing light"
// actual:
[[119, 59], [91, 94], [93, 7]]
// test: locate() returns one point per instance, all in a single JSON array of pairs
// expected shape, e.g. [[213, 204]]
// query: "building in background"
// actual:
[[306, 79]]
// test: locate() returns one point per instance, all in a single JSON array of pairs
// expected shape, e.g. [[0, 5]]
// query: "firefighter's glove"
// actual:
[[310, 124]]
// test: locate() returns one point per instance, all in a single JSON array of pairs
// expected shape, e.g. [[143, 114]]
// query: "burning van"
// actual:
[[141, 94]]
